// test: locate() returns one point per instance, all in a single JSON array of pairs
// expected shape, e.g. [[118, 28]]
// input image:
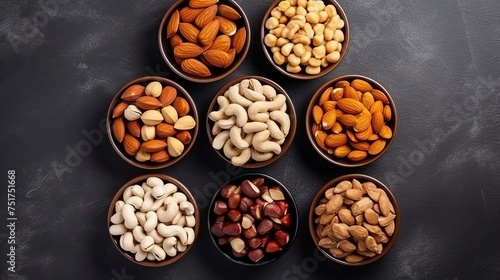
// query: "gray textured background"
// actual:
[[62, 61]]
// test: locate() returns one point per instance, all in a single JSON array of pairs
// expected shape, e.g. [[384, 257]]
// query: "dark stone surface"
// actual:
[[62, 61]]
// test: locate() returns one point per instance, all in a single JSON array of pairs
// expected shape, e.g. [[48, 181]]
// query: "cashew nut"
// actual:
[[128, 212], [234, 95], [140, 255], [117, 218], [245, 83], [127, 241], [256, 85], [154, 181], [275, 130], [236, 138], [177, 218], [134, 201], [119, 229], [242, 158], [227, 123], [220, 139], [258, 156], [251, 127], [156, 236], [187, 207], [148, 202], [180, 247], [138, 233], [261, 143], [151, 221], [253, 95], [168, 245], [127, 193], [276, 103], [158, 253], [190, 235], [167, 215], [216, 129], [230, 150], [145, 187], [179, 197], [137, 191], [283, 119], [269, 92], [190, 220], [119, 205], [239, 112], [147, 243], [141, 217], [219, 114], [156, 204], [173, 230], [258, 111]]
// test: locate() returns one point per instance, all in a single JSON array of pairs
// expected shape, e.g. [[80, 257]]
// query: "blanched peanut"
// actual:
[[276, 13], [293, 60], [271, 23], [293, 69], [287, 49], [331, 46], [270, 40], [338, 36], [283, 5], [333, 57], [299, 50], [319, 51], [318, 40], [312, 70], [279, 58]]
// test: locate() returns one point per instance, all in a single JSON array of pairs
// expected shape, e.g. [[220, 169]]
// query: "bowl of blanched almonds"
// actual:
[[153, 220]]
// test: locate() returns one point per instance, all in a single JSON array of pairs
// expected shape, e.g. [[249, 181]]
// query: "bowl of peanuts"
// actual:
[[351, 120], [305, 39], [152, 122], [354, 219], [251, 122], [204, 41], [153, 220]]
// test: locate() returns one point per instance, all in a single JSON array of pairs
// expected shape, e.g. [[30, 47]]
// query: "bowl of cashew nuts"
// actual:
[[251, 122], [153, 220]]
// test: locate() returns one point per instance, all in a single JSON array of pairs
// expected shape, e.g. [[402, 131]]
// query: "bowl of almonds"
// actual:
[[305, 39], [351, 120], [204, 40], [152, 122], [354, 219], [153, 220], [251, 122], [253, 219]]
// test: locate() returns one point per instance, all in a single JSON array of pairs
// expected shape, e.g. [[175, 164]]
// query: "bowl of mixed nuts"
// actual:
[[204, 40], [305, 39], [253, 219], [153, 220], [152, 122], [351, 120], [354, 219], [251, 122]]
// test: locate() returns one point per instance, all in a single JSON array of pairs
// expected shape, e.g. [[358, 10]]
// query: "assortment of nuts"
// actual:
[[251, 122], [350, 120], [153, 123], [304, 35], [354, 220], [205, 35], [251, 220], [154, 220]]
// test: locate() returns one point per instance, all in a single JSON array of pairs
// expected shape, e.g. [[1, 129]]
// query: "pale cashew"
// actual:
[[151, 221], [177, 218], [156, 236], [117, 218], [248, 138], [168, 245], [262, 144], [283, 119], [253, 95], [140, 255], [182, 221], [154, 181], [172, 208], [148, 201], [239, 112], [127, 193], [180, 247], [276, 103], [220, 139], [280, 142], [283, 108], [251, 127], [219, 114], [258, 111], [187, 207], [256, 85], [145, 187], [190, 220], [269, 92], [173, 230], [157, 204], [236, 138], [230, 150], [158, 253], [234, 95], [119, 205], [190, 236], [275, 130], [159, 192], [170, 189], [258, 156], [147, 243], [119, 229], [138, 233], [137, 191], [244, 84], [141, 218], [227, 123], [243, 158], [216, 129], [128, 212], [127, 241], [179, 197], [134, 201]]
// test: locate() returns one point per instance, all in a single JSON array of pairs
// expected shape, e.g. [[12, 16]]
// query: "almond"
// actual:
[[217, 58], [151, 117], [377, 122], [377, 106], [337, 128], [175, 40], [385, 204], [206, 16], [175, 147], [360, 206], [380, 96], [118, 128], [387, 112], [346, 216], [358, 232], [184, 136], [357, 155], [153, 146], [181, 106], [385, 132], [209, 32], [147, 103], [173, 24], [342, 84], [320, 140], [185, 123], [363, 121], [226, 26], [119, 109], [347, 120], [342, 151], [361, 145], [337, 94], [329, 119], [187, 50], [334, 204], [317, 114], [133, 92], [371, 216], [325, 96], [195, 67], [365, 134], [350, 92], [134, 128], [131, 144], [164, 130], [188, 14], [329, 105], [336, 140], [228, 12], [350, 106], [238, 39], [167, 96], [361, 85], [189, 32], [221, 42], [201, 3], [340, 231], [354, 194], [160, 156], [367, 100]]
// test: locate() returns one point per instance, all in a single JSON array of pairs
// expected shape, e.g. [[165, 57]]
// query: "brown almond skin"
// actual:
[[119, 109], [168, 94], [181, 105], [131, 144], [153, 146], [160, 156], [133, 92], [195, 67], [173, 24], [119, 129], [148, 103], [134, 128], [184, 136], [164, 130], [238, 39]]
